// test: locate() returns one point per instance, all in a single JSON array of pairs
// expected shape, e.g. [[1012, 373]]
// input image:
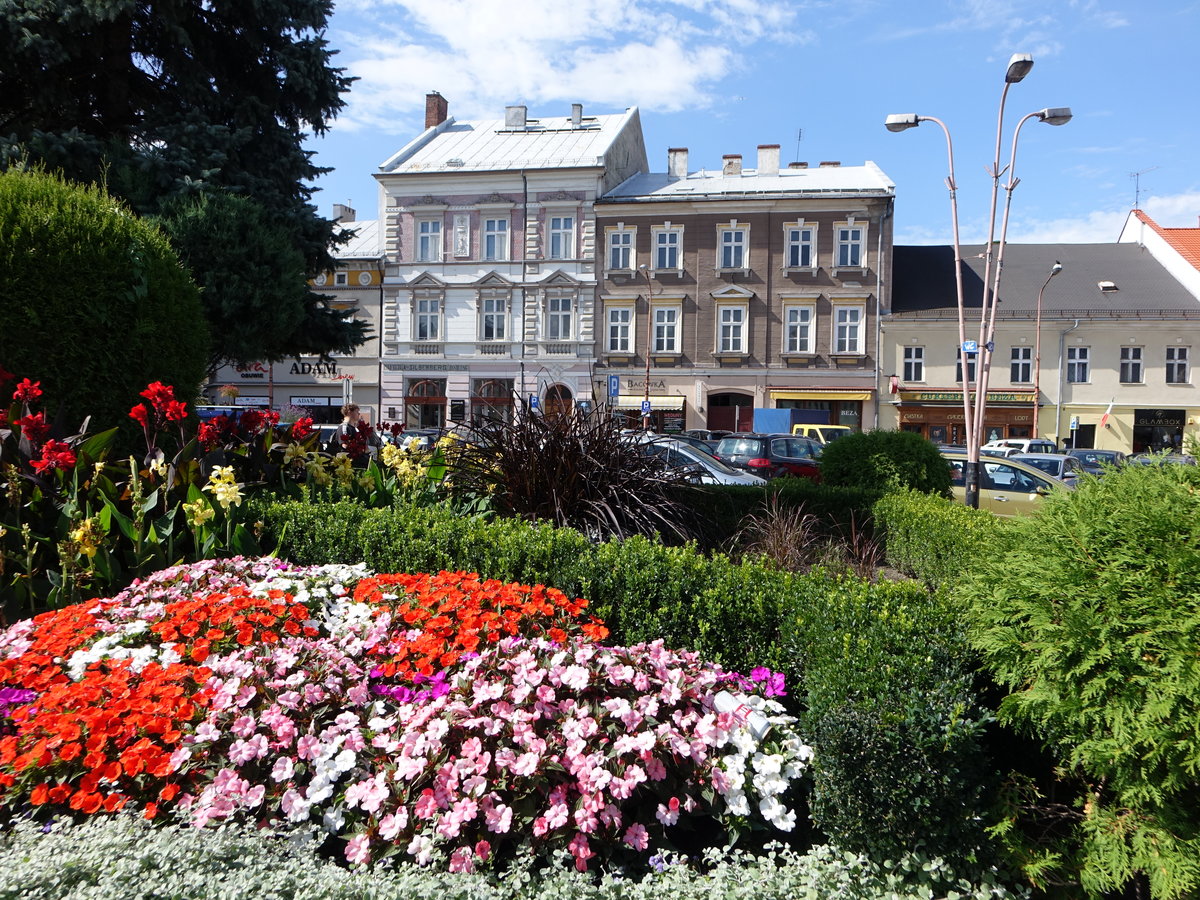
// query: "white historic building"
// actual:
[[489, 290]]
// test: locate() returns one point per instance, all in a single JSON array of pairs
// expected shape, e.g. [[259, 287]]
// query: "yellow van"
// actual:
[[822, 433]]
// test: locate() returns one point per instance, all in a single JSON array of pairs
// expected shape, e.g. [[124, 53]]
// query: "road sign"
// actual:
[[970, 347], [645, 407], [533, 401], [1074, 423], [614, 385]]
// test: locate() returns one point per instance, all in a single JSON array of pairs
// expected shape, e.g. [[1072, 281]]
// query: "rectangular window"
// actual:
[[558, 319], [731, 329], [1131, 365], [914, 364], [494, 317], [429, 314], [849, 246], [666, 250], [801, 249], [429, 241], [341, 279], [1077, 365], [958, 375], [619, 322], [797, 329], [620, 250], [847, 335], [495, 239], [1021, 368], [732, 253], [562, 237], [666, 329], [1177, 365]]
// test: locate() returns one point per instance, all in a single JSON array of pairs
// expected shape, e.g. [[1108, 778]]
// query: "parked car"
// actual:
[[822, 434], [1162, 459], [706, 434], [1095, 462], [771, 455], [1007, 487], [707, 469], [1060, 465], [699, 443], [1023, 445]]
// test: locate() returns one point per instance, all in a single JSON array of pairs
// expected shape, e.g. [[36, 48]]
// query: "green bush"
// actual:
[[932, 538], [884, 460], [891, 709], [94, 301], [1088, 614], [120, 858]]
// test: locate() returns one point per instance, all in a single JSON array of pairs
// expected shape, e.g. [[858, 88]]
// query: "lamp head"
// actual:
[[1055, 115], [1056, 268], [902, 121], [1018, 67]]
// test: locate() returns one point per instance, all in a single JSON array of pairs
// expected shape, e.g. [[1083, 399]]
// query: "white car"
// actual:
[[680, 454], [1022, 445]]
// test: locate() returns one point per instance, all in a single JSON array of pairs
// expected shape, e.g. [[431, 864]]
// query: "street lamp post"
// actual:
[[645, 270], [1037, 347], [973, 419]]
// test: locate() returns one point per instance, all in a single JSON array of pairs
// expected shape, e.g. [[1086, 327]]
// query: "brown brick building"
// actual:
[[746, 287]]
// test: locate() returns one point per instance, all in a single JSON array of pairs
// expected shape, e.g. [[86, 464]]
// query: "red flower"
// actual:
[[141, 414], [35, 427], [28, 391], [176, 411], [159, 394], [55, 455], [302, 428]]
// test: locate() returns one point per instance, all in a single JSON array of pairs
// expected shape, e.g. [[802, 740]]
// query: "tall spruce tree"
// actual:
[[168, 99]]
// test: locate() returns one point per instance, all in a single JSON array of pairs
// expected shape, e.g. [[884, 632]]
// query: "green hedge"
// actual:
[[931, 538], [886, 460], [881, 671]]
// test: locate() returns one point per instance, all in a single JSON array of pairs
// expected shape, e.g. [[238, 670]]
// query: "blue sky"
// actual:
[[818, 78]]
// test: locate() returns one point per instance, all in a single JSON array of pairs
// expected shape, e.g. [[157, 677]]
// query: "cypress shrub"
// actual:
[[885, 460]]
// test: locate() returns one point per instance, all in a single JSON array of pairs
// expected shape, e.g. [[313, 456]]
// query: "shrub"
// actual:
[[932, 538], [890, 704], [95, 303], [883, 460], [1088, 613], [122, 858]]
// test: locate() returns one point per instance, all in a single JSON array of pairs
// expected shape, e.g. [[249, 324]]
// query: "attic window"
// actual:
[[455, 163], [1106, 287]]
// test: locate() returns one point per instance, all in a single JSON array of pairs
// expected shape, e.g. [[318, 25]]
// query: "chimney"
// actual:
[[731, 164], [768, 159], [677, 162], [830, 163], [514, 116], [576, 115], [797, 165], [343, 213], [436, 109]]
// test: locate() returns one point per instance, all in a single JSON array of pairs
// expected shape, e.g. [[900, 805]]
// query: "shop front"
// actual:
[[938, 415], [667, 415], [824, 406]]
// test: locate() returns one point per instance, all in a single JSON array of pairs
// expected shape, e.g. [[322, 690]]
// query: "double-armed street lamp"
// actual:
[[1037, 347], [645, 270], [974, 414]]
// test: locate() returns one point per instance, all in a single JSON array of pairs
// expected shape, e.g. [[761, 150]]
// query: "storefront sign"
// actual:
[[640, 384], [313, 368], [425, 367], [254, 370], [1159, 418], [957, 397], [312, 401], [250, 401]]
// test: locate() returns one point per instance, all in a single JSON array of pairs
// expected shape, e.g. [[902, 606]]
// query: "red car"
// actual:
[[772, 455]]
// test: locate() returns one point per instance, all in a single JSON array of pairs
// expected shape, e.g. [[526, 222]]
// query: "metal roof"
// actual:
[[923, 282], [367, 242], [823, 180], [545, 142]]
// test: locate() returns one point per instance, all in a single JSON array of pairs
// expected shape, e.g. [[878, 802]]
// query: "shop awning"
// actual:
[[819, 395], [657, 401]]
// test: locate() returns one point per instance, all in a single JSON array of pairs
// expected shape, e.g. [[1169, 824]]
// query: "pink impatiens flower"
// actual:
[[637, 837]]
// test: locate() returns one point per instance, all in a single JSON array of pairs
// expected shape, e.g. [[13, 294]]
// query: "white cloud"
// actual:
[[1104, 226], [665, 55]]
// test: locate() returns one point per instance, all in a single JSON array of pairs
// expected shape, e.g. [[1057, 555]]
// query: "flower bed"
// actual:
[[439, 716]]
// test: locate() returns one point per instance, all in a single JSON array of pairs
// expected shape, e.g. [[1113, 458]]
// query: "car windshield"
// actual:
[[1051, 466], [741, 447], [706, 459], [1095, 457]]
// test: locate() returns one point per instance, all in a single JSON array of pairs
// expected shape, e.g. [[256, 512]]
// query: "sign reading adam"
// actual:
[[302, 367]]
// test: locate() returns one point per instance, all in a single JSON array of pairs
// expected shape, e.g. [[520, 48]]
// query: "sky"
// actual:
[[818, 78]]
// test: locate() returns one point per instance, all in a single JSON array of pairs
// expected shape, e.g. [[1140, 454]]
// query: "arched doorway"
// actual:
[[730, 412], [425, 403], [558, 401], [491, 400]]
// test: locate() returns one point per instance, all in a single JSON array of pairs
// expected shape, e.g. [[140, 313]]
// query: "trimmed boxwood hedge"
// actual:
[[932, 538], [880, 672]]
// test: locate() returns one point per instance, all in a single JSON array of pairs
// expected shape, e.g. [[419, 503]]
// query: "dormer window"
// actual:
[[1107, 287]]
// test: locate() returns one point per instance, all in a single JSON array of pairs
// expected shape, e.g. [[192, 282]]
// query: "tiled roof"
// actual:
[[923, 281], [1186, 241], [488, 146], [822, 180]]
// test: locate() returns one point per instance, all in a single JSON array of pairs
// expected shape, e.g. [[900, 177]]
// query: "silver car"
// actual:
[[1060, 465], [709, 470]]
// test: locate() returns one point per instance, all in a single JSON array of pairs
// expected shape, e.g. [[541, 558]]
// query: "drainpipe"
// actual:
[[1062, 343], [886, 214]]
